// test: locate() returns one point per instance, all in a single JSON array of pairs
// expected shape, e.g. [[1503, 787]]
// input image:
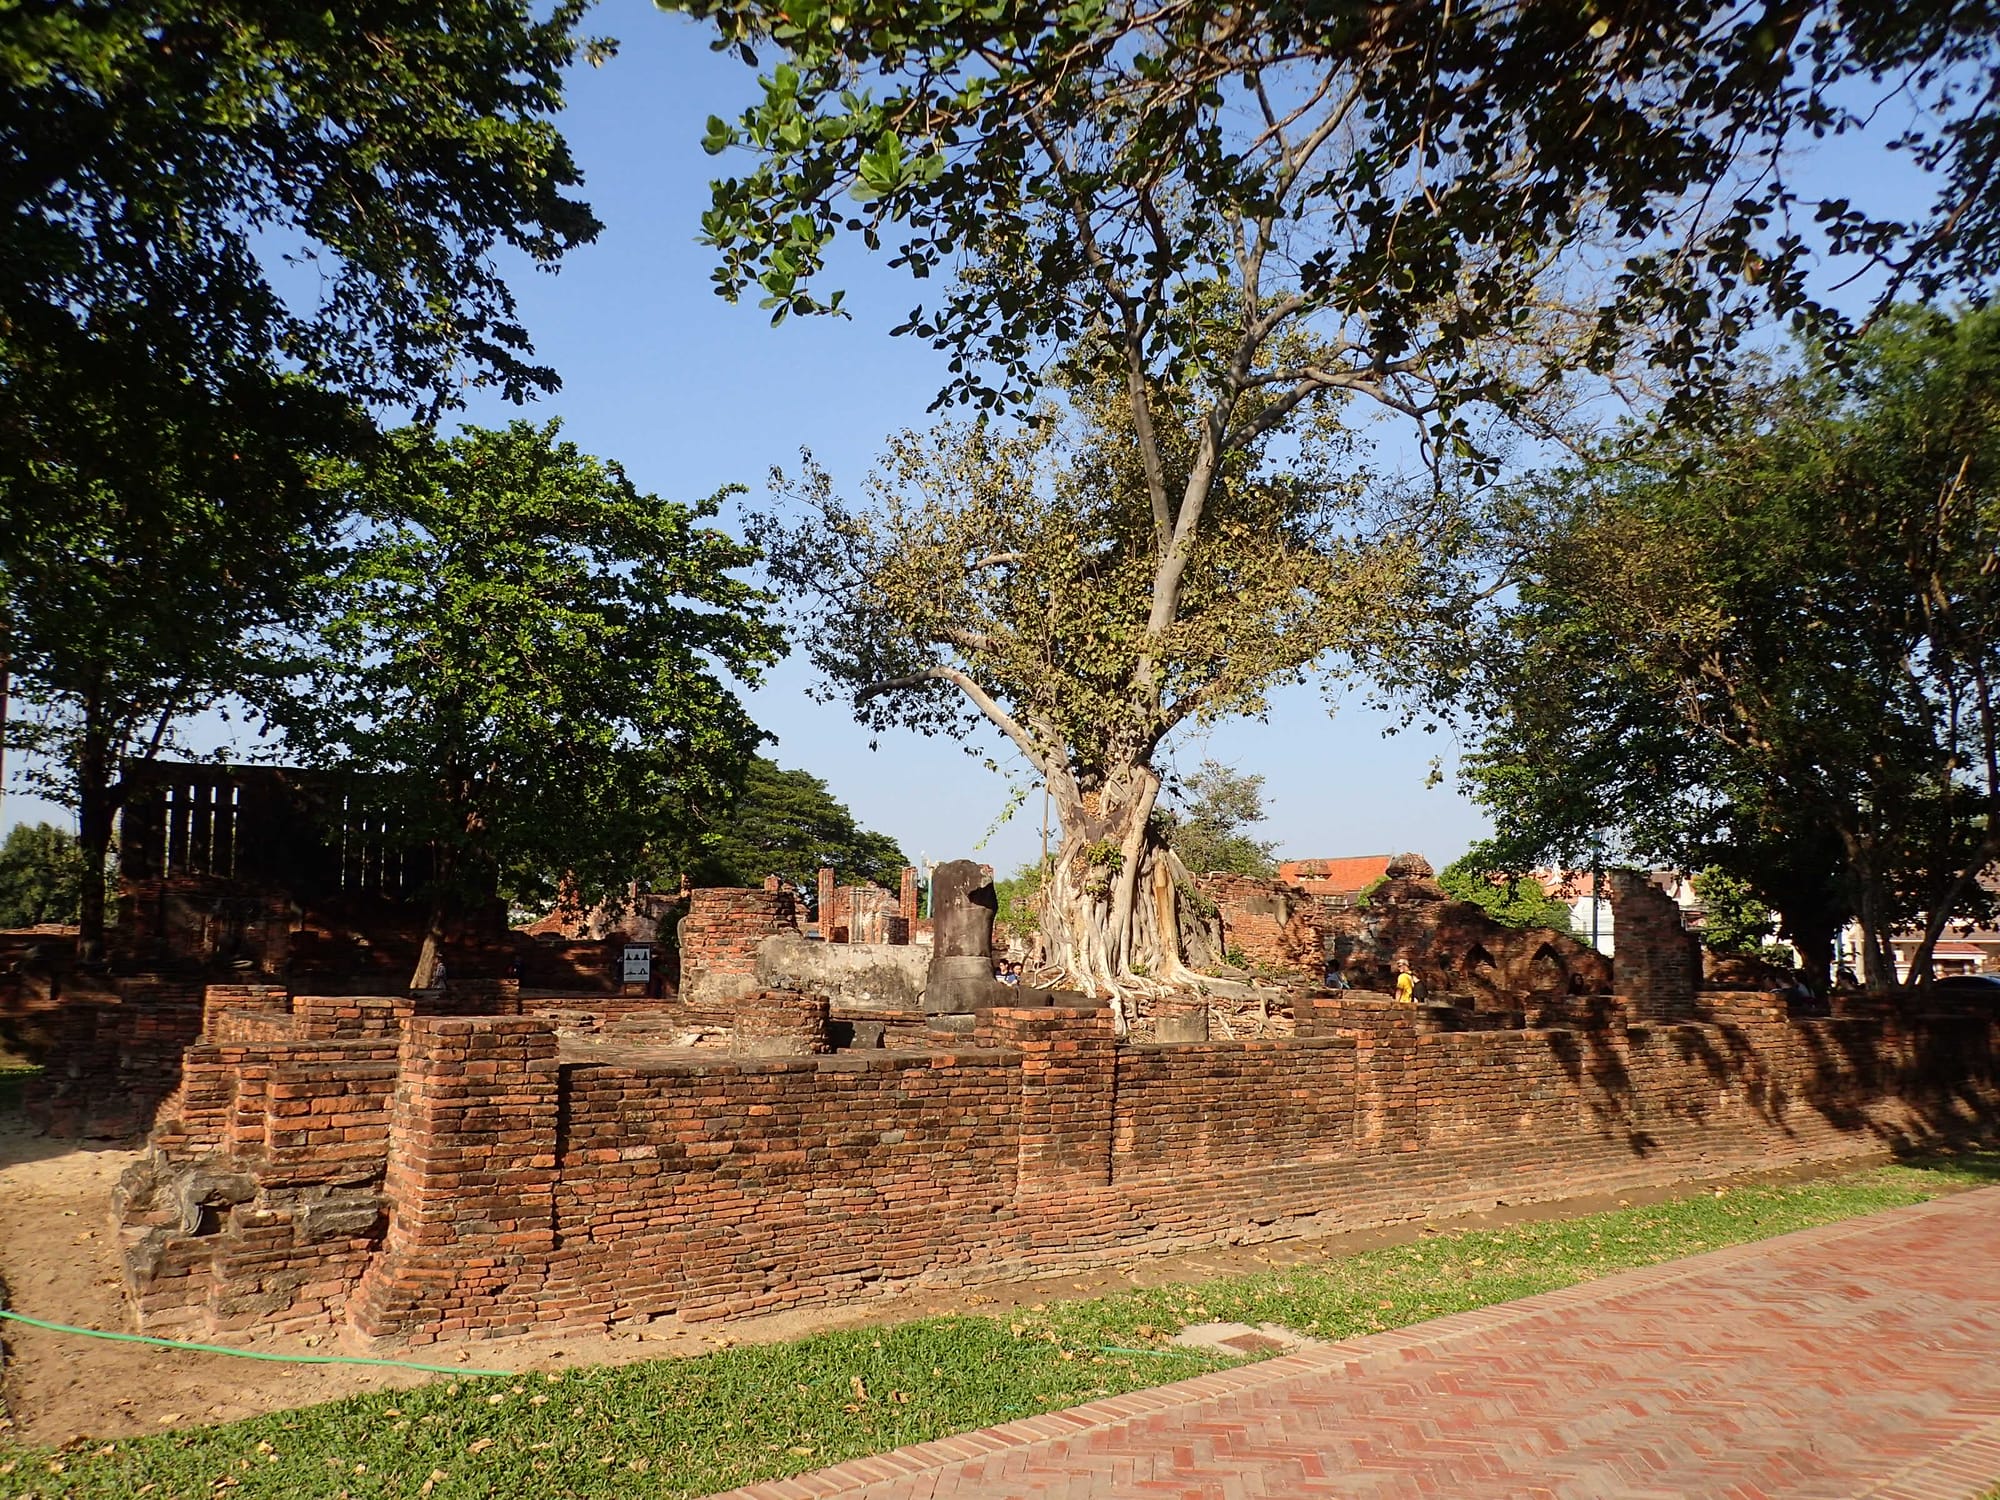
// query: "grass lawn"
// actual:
[[691, 1426]]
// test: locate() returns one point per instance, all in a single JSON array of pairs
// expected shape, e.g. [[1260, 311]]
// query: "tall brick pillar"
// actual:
[[1069, 1062], [826, 906], [471, 1181], [1655, 960], [906, 898]]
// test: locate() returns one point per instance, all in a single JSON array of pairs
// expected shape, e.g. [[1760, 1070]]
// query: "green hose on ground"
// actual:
[[285, 1359]]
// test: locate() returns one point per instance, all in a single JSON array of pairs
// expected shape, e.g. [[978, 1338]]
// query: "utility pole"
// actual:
[[1045, 827]]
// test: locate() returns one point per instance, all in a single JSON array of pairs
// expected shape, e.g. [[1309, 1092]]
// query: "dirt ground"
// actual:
[[58, 1262]]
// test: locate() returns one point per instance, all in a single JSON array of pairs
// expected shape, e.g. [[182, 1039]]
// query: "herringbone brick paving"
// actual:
[[1861, 1359]]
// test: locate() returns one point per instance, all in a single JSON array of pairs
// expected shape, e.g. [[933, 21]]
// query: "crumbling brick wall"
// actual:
[[1453, 947], [1656, 960], [114, 1052], [719, 938], [462, 1178], [1275, 927]]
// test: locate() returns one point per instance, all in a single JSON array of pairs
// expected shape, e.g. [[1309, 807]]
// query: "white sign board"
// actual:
[[637, 965]]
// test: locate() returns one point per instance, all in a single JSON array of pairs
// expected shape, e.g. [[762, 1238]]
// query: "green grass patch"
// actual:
[[688, 1427]]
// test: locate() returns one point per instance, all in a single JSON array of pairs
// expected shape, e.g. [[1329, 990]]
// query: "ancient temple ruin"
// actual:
[[806, 1117]]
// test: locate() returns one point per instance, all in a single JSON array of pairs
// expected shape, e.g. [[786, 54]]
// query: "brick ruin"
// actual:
[[1289, 928], [354, 1163], [788, 1126]]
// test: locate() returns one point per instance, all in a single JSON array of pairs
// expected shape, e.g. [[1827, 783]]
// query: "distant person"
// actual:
[[1010, 974], [1335, 979], [1406, 984]]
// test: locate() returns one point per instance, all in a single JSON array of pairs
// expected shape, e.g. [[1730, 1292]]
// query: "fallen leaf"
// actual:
[[438, 1476], [860, 1390], [479, 1445]]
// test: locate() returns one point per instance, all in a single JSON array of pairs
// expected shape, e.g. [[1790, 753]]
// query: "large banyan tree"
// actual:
[[1025, 578], [1231, 228]]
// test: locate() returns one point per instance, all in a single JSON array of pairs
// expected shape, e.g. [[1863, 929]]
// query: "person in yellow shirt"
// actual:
[[1406, 984]]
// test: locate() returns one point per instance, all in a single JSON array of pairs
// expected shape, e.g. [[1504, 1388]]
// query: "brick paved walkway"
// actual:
[[1857, 1360]]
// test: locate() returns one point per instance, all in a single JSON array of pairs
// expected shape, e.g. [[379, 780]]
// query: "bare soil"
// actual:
[[59, 1262]]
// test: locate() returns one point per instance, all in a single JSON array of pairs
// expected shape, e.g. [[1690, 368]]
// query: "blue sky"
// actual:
[[692, 394]]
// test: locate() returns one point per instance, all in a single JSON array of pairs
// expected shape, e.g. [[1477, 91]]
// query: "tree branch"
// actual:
[[981, 699]]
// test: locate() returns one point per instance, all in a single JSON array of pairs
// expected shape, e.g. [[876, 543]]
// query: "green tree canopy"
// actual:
[[1512, 897], [41, 876], [1773, 649], [788, 824], [164, 158], [1407, 175], [225, 230], [1231, 223], [1209, 827], [525, 653], [144, 562], [1733, 920]]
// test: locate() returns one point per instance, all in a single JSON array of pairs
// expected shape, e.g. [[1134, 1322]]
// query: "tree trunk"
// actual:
[[1813, 937], [430, 957], [96, 804], [1111, 917]]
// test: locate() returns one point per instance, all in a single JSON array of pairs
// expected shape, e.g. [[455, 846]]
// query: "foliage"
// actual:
[[169, 157], [1020, 898], [1010, 577], [1226, 225], [1409, 177], [687, 1427], [1733, 920], [521, 654], [1209, 828], [786, 823], [41, 876], [1772, 649], [227, 227], [143, 556], [1512, 897]]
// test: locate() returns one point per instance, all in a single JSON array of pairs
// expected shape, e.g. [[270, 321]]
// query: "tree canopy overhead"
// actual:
[[1406, 178], [231, 183], [1246, 226]]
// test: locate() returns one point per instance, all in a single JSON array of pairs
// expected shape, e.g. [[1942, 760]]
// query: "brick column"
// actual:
[[826, 906], [1069, 1076], [1655, 960], [780, 1023], [471, 1181], [906, 899]]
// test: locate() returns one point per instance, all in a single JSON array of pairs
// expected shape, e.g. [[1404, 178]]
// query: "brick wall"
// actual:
[[471, 1182], [719, 939], [1656, 962], [113, 1055]]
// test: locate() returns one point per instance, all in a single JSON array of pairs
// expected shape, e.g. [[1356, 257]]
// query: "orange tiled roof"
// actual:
[[1347, 875]]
